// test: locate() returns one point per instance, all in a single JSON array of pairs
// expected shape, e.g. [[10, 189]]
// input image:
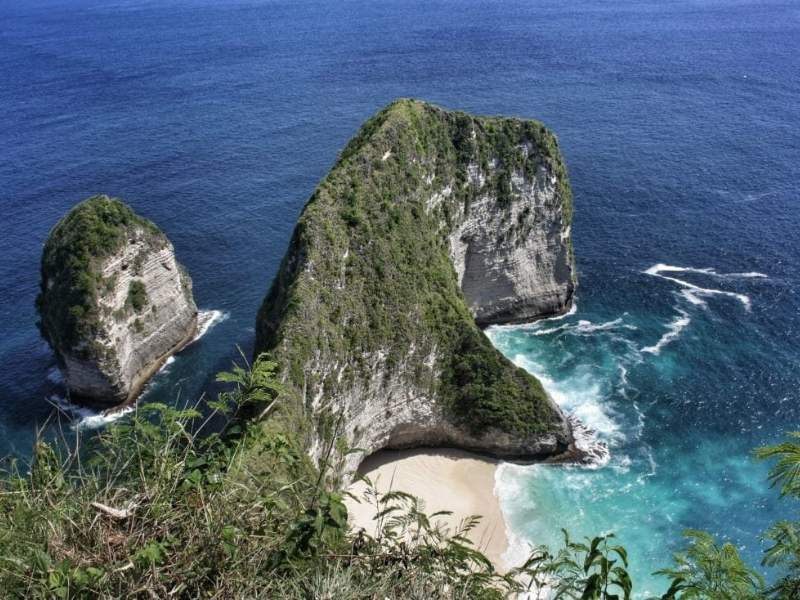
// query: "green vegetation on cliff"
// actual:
[[158, 507], [368, 270], [90, 232]]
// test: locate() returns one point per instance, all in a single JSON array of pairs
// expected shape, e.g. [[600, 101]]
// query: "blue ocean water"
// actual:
[[680, 123]]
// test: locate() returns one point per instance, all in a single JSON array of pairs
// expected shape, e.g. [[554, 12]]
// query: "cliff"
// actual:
[[430, 223], [114, 303]]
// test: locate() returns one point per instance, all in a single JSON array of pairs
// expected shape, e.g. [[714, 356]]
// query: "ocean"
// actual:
[[680, 125]]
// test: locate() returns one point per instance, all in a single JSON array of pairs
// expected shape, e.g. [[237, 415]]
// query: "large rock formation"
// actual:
[[429, 221], [114, 302]]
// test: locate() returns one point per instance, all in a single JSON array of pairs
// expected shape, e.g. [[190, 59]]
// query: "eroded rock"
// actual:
[[430, 221], [114, 302]]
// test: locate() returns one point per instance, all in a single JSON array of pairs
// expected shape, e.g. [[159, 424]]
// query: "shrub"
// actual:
[[137, 295]]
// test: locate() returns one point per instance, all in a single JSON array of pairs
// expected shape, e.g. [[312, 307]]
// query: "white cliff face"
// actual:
[[514, 263], [407, 415], [385, 359], [145, 313]]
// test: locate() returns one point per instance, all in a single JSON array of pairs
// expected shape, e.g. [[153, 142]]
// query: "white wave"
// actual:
[[694, 292], [572, 310], [675, 328], [536, 324], [747, 275], [595, 451], [590, 418], [98, 420], [167, 364], [509, 480], [583, 327], [623, 377], [663, 268], [86, 418], [692, 298], [206, 319]]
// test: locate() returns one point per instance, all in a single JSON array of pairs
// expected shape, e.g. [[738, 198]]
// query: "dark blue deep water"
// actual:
[[680, 123]]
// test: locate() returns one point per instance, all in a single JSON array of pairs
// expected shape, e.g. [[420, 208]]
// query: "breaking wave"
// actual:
[[674, 330], [84, 418], [590, 418], [207, 319], [694, 293], [583, 327], [167, 364], [537, 324]]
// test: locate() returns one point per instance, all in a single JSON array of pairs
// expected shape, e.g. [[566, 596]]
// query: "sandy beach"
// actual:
[[445, 479]]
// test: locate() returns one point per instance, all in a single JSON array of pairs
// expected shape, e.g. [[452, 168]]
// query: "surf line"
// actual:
[[674, 330], [87, 418], [693, 292]]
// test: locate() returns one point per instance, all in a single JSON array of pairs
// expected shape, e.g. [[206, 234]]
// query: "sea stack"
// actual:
[[431, 225], [114, 302]]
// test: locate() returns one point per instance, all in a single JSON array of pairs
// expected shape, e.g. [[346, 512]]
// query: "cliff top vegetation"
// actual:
[[93, 230], [371, 229]]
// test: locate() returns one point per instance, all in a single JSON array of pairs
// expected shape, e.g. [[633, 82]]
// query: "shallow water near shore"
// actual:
[[679, 125], [666, 379]]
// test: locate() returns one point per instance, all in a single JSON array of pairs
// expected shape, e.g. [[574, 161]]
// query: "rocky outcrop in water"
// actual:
[[114, 302], [430, 221]]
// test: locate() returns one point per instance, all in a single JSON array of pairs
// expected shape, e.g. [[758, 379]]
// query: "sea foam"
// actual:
[[84, 418], [674, 330], [584, 327], [539, 323], [663, 268], [207, 319], [694, 293]]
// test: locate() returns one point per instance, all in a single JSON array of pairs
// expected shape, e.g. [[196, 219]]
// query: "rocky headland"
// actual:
[[430, 225], [114, 302]]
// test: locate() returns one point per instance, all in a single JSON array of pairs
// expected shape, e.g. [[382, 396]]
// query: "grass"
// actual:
[[158, 506], [164, 505]]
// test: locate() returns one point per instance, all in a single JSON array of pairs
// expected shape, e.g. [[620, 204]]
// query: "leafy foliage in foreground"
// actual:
[[708, 570], [159, 507]]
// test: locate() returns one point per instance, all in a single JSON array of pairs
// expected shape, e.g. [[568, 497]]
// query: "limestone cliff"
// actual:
[[114, 302], [429, 221]]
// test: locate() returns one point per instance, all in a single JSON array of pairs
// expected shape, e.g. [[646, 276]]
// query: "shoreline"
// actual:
[[444, 479], [92, 415]]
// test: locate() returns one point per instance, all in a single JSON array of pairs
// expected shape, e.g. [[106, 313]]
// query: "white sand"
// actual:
[[444, 479]]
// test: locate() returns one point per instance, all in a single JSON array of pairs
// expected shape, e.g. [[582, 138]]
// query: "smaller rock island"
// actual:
[[114, 302]]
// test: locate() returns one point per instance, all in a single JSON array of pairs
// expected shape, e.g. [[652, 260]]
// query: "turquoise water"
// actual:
[[679, 124], [662, 382]]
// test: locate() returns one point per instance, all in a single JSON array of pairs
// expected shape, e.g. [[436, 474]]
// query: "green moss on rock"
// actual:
[[137, 295], [70, 284], [368, 269]]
